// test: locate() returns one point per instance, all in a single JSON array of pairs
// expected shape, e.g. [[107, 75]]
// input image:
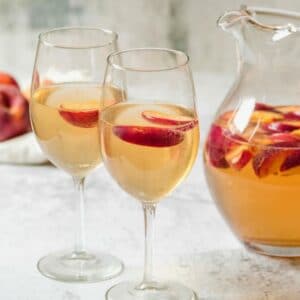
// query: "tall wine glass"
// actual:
[[66, 98], [149, 143]]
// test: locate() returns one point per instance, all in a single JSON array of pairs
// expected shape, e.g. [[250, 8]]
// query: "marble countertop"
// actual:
[[193, 244]]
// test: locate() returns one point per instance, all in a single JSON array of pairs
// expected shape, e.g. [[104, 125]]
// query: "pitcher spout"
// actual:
[[251, 15], [264, 36]]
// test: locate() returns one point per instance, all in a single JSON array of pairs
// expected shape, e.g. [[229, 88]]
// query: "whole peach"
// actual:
[[14, 112], [6, 78]]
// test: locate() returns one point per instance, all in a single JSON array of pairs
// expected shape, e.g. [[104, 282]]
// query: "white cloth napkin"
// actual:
[[21, 150]]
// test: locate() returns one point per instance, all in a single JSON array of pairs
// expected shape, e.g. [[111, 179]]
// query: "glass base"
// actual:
[[278, 251], [170, 291], [79, 267]]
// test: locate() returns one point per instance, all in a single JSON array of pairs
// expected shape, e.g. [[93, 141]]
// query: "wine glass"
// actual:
[[149, 143], [66, 97]]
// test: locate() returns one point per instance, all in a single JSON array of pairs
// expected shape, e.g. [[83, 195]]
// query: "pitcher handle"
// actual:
[[231, 18]]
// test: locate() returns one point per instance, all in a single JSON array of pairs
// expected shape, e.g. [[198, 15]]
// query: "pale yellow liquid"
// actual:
[[259, 210], [146, 172], [72, 148]]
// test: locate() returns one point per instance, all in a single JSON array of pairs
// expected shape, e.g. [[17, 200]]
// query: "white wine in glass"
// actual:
[[149, 142], [66, 100]]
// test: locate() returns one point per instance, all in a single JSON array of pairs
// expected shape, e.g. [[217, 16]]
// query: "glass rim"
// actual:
[[154, 49], [42, 37]]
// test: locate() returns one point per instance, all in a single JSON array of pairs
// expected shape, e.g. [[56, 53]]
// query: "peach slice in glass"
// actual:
[[149, 136], [165, 118], [81, 114]]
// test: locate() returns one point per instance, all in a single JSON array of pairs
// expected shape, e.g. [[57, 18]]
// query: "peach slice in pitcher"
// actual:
[[294, 115], [271, 159], [281, 126], [169, 119], [263, 106], [292, 161], [148, 136], [265, 116], [239, 157], [80, 114], [296, 133], [216, 146], [219, 144], [226, 116], [226, 149], [291, 112], [288, 108], [283, 137]]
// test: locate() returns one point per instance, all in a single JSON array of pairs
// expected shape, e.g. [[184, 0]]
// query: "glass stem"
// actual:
[[80, 215], [149, 219]]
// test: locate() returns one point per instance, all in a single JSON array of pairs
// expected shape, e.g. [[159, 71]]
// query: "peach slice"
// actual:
[[283, 137], [261, 139], [187, 126], [270, 159], [165, 118], [290, 112], [292, 161], [85, 118], [296, 133], [224, 148], [184, 123], [288, 108], [263, 106], [215, 146], [239, 157], [6, 78], [148, 136], [282, 126], [293, 115], [226, 118], [265, 116]]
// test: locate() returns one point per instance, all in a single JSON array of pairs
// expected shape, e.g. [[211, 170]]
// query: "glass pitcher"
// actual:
[[252, 151]]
